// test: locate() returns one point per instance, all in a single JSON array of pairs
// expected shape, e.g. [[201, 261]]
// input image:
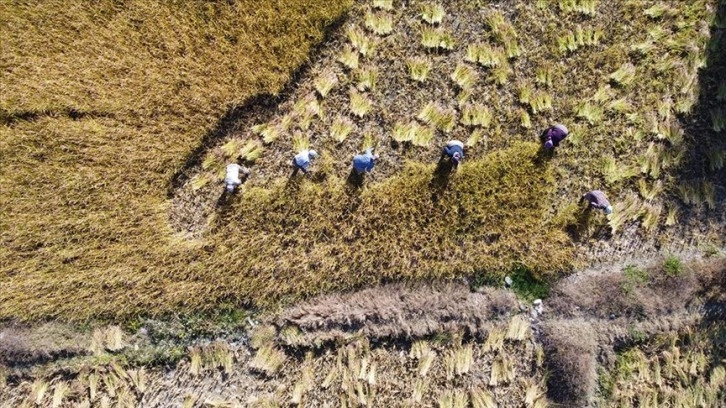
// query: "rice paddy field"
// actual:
[[117, 119]]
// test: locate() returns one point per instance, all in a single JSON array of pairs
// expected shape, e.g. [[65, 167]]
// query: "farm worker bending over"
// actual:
[[454, 151], [554, 135], [597, 199], [302, 160], [363, 163], [231, 179]]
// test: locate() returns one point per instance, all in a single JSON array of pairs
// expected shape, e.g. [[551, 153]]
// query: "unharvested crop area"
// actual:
[[119, 116]]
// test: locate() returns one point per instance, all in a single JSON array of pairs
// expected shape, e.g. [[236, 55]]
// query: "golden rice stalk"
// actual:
[[463, 97], [231, 148], [657, 10], [500, 74], [383, 4], [360, 105], [217, 402], [367, 78], [404, 132], [586, 7], [360, 41], [139, 380], [591, 113], [482, 399], [543, 76], [330, 378], [476, 115], [524, 93], [422, 136], [195, 355], [419, 390], [297, 393], [619, 105], [419, 349], [59, 392], [715, 158], [525, 120], [92, 385], [432, 13], [672, 216], [518, 329], [418, 68], [502, 29], [718, 119], [485, 55], [270, 134], [464, 76], [539, 355], [625, 75], [603, 94], [379, 23], [111, 382], [300, 142], [341, 128], [708, 194], [540, 101], [717, 378], [349, 58], [534, 392], [433, 114], [268, 360], [688, 193], [435, 38], [512, 48], [251, 151], [325, 83], [263, 336], [502, 371], [453, 399], [495, 340], [425, 362], [651, 215], [369, 141], [649, 193], [476, 136]]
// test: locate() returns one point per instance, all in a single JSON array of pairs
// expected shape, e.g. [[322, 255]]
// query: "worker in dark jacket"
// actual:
[[597, 199], [552, 136], [454, 152]]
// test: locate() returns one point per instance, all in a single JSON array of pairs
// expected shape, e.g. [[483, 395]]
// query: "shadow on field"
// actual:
[[261, 108], [701, 138]]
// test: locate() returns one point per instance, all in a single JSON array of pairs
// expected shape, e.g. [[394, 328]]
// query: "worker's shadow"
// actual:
[[440, 179], [544, 155], [353, 188]]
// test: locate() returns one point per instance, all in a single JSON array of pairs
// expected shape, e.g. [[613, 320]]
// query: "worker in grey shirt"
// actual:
[[232, 176], [597, 199]]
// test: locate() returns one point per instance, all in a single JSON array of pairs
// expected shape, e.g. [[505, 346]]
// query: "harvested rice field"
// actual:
[[130, 278]]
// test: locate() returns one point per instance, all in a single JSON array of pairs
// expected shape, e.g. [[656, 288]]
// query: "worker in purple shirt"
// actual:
[[597, 199], [363, 163], [553, 135], [454, 152], [302, 160]]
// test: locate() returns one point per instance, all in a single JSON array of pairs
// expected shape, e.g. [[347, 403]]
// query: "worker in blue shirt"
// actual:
[[302, 160], [363, 163]]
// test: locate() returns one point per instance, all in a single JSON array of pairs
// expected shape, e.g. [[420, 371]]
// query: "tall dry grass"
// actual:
[[101, 103]]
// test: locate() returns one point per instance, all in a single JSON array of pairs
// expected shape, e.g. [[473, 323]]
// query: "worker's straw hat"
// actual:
[[313, 154]]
